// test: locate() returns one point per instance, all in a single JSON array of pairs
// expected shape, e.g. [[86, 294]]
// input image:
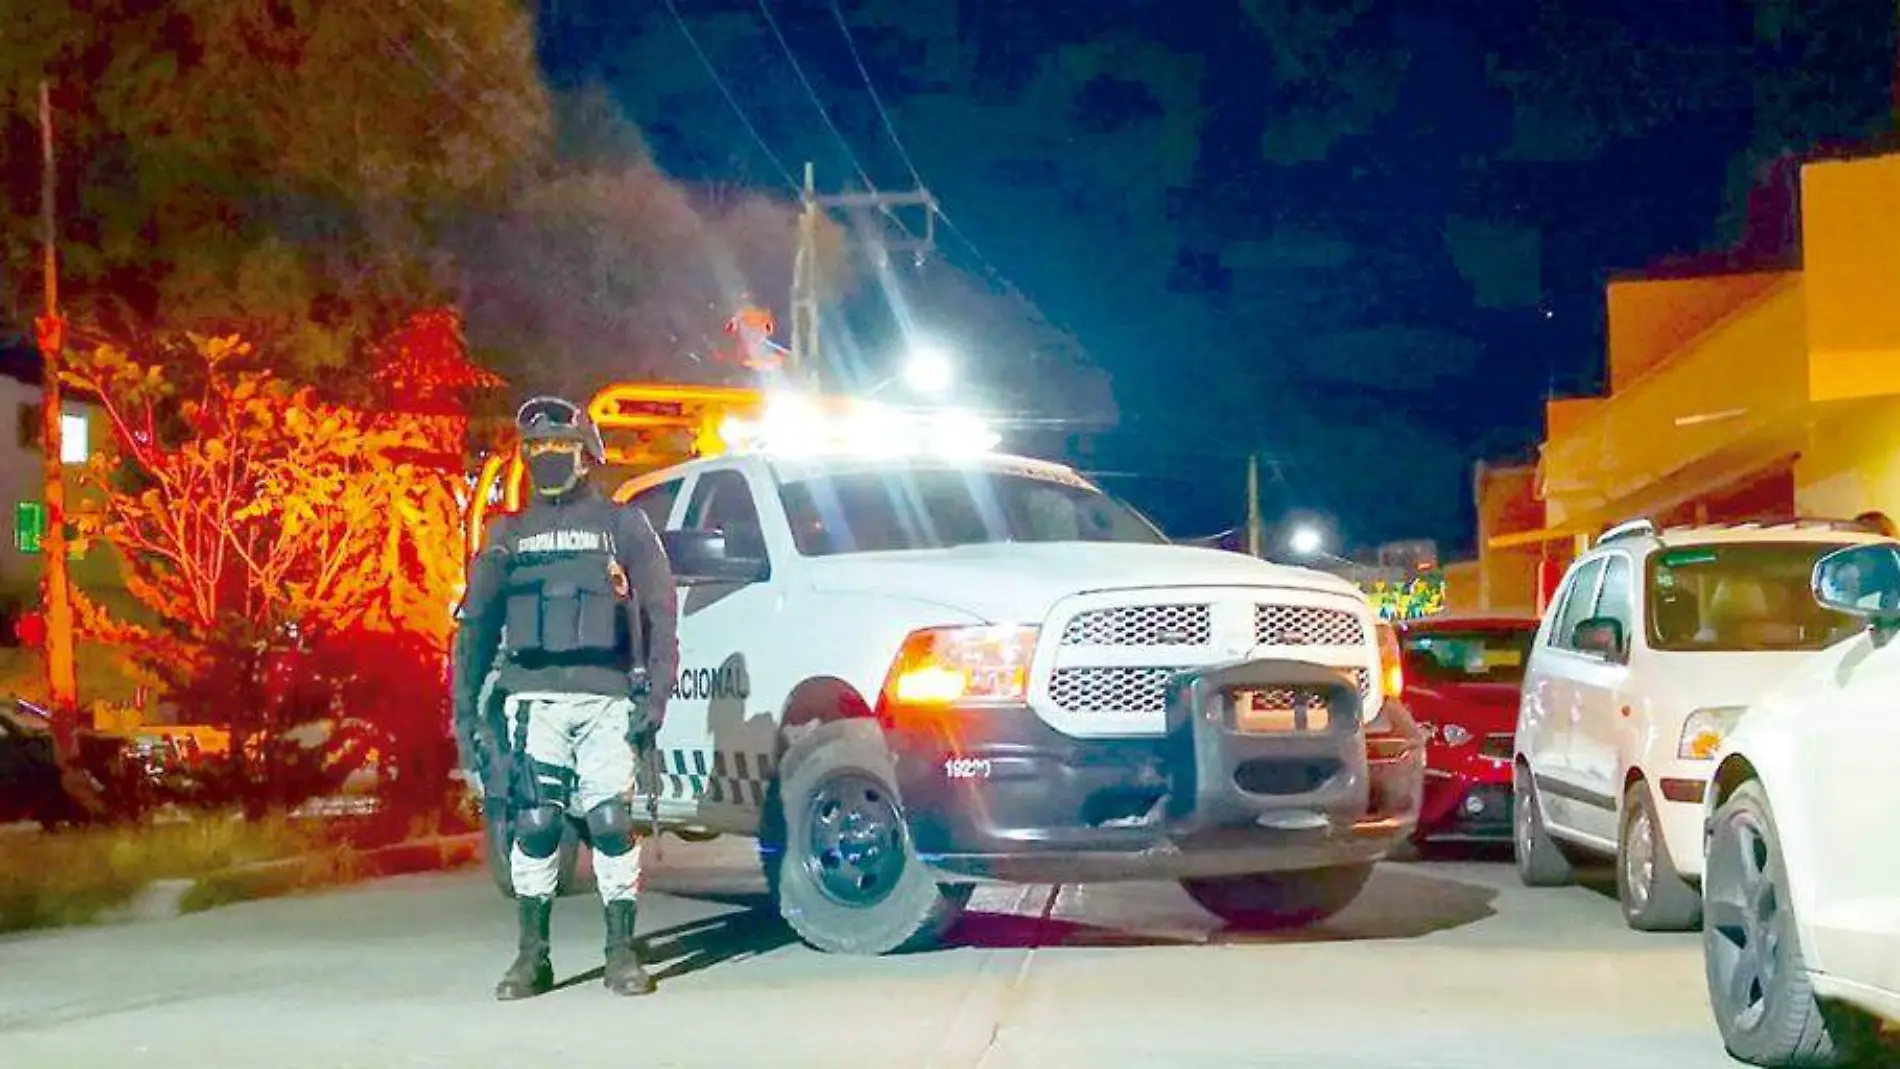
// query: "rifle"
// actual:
[[650, 762], [646, 749]]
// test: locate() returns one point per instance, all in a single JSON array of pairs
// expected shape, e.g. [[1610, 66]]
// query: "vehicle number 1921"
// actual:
[[966, 768]]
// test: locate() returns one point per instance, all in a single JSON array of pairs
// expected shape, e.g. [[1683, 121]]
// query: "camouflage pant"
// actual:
[[584, 736]]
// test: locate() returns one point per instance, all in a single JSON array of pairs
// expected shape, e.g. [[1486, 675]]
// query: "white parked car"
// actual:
[[1653, 646], [1801, 889], [905, 675]]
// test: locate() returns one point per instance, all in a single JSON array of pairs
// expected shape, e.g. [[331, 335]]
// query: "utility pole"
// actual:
[[62, 676], [1256, 530], [807, 351], [805, 354]]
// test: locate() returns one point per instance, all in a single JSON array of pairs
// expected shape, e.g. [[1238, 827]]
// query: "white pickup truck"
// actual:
[[906, 676]]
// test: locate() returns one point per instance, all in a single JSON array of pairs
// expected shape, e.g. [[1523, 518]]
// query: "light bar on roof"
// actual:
[[796, 426]]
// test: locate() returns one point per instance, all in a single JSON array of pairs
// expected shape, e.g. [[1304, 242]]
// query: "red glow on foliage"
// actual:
[[427, 357]]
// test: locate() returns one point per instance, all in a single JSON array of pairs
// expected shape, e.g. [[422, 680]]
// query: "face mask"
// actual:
[[554, 474]]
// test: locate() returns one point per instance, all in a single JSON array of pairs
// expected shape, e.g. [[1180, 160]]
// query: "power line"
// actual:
[[443, 36], [706, 61], [988, 267], [812, 93], [883, 115]]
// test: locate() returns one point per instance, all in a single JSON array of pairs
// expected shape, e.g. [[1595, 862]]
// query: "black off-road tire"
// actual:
[[1541, 861], [1759, 987], [1273, 901], [498, 843], [1654, 896], [835, 771]]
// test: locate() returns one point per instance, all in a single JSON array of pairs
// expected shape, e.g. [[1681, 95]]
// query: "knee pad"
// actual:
[[538, 831], [611, 825]]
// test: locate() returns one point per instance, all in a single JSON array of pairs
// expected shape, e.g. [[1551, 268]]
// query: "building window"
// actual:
[[29, 526], [75, 434], [74, 440]]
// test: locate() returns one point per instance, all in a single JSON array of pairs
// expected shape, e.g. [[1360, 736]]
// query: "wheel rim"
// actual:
[[854, 840], [1744, 924], [1639, 859]]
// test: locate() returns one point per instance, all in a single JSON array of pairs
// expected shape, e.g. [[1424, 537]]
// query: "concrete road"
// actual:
[[1440, 964]]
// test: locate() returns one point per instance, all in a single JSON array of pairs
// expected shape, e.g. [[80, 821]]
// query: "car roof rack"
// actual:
[[1637, 528], [1798, 523]]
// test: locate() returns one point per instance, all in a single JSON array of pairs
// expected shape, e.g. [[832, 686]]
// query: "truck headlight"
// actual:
[[1455, 734], [1703, 732], [962, 666]]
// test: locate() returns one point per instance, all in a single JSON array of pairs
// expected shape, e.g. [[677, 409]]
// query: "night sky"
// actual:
[[1364, 238]]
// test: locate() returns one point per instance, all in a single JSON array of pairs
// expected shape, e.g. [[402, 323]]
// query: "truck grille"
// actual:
[[1108, 658], [1281, 699], [1111, 690], [1303, 625], [1500, 745], [1082, 691], [1141, 625]]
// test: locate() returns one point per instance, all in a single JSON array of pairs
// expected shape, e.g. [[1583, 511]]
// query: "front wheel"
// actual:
[[1758, 981], [1276, 900], [1541, 862], [846, 876], [1655, 898]]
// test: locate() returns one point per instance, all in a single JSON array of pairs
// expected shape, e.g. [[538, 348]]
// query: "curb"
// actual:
[[272, 879]]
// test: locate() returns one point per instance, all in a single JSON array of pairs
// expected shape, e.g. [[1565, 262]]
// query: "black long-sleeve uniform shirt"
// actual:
[[651, 635]]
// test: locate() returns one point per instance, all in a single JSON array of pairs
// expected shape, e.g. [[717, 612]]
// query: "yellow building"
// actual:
[[1518, 564], [1745, 395]]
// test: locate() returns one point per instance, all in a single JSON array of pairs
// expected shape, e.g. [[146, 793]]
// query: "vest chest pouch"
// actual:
[[556, 615]]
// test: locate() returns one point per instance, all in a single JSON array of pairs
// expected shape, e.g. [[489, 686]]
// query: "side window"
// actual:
[[657, 502], [1579, 602], [722, 501], [1617, 601]]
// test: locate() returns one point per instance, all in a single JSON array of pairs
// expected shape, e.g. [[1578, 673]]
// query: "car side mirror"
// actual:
[[1600, 635], [702, 557], [1862, 581]]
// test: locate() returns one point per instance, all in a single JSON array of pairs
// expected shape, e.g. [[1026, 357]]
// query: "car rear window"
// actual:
[[1474, 655]]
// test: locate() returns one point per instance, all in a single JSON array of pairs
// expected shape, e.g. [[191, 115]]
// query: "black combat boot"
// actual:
[[532, 973], [625, 975]]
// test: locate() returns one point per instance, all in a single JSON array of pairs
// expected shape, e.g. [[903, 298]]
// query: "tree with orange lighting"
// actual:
[[265, 528]]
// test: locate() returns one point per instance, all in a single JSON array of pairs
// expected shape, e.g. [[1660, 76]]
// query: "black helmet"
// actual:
[[544, 419]]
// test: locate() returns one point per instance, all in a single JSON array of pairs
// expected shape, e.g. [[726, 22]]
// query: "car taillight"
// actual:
[[945, 666], [1391, 662]]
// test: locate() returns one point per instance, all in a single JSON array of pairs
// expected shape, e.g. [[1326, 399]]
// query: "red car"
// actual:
[[1462, 679]]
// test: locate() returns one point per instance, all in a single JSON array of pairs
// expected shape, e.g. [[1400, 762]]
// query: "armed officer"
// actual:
[[576, 595]]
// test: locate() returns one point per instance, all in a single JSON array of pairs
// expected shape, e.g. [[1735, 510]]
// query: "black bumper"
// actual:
[[997, 793], [1474, 813]]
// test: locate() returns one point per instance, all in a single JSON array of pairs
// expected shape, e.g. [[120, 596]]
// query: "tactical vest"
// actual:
[[562, 601]]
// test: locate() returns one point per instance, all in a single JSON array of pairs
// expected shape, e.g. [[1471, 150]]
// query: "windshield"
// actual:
[[1742, 597], [924, 508], [1473, 655]]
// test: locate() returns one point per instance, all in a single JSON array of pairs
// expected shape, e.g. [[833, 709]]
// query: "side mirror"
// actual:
[[1861, 581], [701, 557], [1602, 636]]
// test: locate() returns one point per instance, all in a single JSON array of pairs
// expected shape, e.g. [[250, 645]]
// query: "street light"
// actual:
[[1306, 541], [929, 369]]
